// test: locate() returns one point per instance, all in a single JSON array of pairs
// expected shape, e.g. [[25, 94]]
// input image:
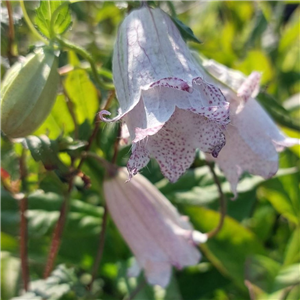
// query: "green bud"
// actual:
[[28, 93]]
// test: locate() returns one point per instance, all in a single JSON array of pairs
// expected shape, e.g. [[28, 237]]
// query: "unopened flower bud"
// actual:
[[157, 234], [28, 93]]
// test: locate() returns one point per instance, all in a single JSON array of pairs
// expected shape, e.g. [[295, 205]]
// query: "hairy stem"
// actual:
[[110, 170], [11, 33], [57, 234], [222, 201]]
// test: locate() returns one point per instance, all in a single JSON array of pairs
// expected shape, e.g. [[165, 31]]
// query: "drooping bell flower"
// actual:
[[252, 138], [156, 233], [169, 109]]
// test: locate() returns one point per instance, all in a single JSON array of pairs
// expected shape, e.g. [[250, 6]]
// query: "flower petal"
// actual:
[[175, 144], [250, 87], [237, 157], [257, 128], [138, 159], [152, 227], [158, 273], [149, 47]]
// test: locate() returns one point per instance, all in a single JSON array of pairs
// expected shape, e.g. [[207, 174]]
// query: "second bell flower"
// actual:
[[169, 109]]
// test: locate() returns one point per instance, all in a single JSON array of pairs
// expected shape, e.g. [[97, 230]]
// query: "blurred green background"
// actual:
[[255, 256]]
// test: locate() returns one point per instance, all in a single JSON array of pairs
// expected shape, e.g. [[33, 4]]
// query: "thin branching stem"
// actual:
[[11, 33], [135, 292], [222, 201], [110, 169], [144, 4], [58, 230]]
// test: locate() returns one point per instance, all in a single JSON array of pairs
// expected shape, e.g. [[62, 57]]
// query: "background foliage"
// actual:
[[255, 256]]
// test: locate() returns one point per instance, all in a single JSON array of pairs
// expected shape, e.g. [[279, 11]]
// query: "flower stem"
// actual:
[[135, 292], [222, 201], [11, 34], [172, 9], [143, 4], [30, 25], [70, 46], [104, 218]]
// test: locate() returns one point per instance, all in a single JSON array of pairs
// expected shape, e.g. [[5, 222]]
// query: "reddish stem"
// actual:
[[57, 234], [104, 222], [11, 33]]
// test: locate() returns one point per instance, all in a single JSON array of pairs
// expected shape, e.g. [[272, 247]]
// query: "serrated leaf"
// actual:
[[59, 283], [44, 15], [185, 31]]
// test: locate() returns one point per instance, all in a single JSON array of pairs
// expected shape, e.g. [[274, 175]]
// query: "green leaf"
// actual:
[[10, 272], [59, 283], [286, 279], [211, 280], [82, 94], [292, 251], [44, 150], [288, 276], [44, 15], [261, 271], [83, 220], [197, 186], [233, 239], [276, 195], [58, 121], [277, 111], [68, 144], [185, 31]]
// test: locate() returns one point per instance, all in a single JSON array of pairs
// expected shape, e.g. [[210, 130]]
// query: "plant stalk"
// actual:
[[222, 201]]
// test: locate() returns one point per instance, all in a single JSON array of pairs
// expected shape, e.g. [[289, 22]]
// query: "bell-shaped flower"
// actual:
[[252, 138], [156, 233], [169, 109]]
